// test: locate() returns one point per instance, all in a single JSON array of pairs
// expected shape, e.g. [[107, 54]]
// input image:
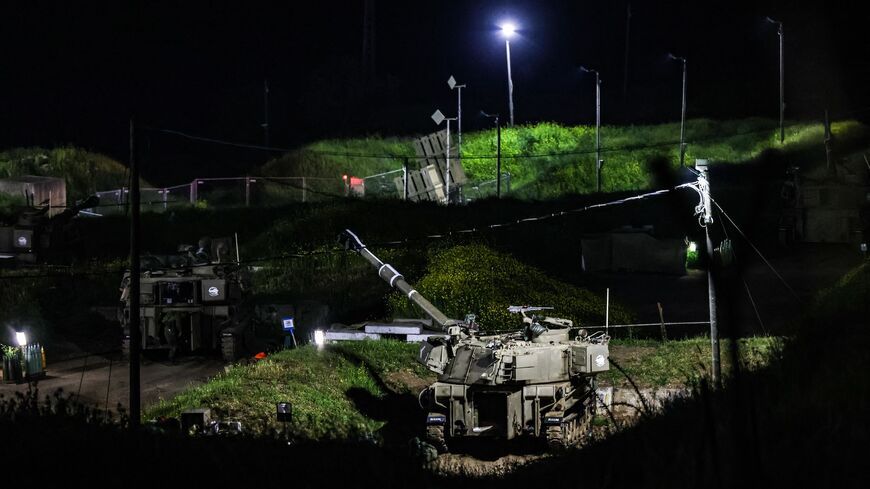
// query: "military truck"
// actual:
[[538, 381], [197, 300], [30, 235]]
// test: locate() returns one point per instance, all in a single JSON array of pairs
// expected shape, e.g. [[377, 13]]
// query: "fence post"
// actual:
[[247, 191], [662, 319], [405, 178], [304, 191], [193, 191], [165, 198]]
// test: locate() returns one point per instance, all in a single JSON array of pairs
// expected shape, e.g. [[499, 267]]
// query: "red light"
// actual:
[[260, 356], [344, 177], [354, 181]]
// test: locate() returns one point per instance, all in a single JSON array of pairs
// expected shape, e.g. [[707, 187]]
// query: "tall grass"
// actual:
[[548, 160]]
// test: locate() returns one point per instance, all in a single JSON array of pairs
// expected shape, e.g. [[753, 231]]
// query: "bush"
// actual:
[[476, 279]]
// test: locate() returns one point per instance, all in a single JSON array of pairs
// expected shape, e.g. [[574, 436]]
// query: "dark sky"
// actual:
[[71, 73]]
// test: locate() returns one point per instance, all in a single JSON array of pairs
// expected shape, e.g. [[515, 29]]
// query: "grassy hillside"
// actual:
[[84, 171], [476, 279], [548, 160]]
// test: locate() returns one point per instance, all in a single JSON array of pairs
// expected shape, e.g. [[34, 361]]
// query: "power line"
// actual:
[[404, 242], [757, 251]]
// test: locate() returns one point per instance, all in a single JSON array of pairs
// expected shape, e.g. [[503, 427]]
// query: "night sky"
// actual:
[[75, 74]]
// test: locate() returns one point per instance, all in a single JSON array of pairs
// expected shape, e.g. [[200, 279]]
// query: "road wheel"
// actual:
[[435, 437]]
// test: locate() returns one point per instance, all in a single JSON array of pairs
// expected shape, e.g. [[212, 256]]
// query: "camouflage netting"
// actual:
[[476, 279]]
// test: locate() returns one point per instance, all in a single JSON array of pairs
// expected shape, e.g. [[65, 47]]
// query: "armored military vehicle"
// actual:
[[30, 234], [538, 381], [197, 301]]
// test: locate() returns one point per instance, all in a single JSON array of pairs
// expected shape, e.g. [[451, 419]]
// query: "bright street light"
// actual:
[[21, 338], [508, 30], [683, 116]]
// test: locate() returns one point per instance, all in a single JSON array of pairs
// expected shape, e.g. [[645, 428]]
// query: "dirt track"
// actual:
[[94, 378]]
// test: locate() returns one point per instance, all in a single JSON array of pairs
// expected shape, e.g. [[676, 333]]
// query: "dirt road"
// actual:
[[102, 381]]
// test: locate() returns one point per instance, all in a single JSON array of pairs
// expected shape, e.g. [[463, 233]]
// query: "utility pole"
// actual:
[[498, 152], [598, 161], [707, 219], [498, 157], [135, 334], [781, 81], [781, 88], [507, 47], [625, 63], [266, 113], [682, 112], [451, 82]]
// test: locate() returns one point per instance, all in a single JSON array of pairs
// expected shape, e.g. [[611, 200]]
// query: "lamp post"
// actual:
[[451, 82], [497, 152], [598, 161], [781, 82], [438, 117], [508, 30], [682, 113]]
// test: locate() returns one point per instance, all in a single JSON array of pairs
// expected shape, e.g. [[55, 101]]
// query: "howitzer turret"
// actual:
[[538, 381]]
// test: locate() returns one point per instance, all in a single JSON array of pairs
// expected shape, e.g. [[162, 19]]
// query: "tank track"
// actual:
[[569, 433], [435, 437]]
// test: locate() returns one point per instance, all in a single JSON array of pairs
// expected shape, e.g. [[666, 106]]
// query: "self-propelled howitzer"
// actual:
[[538, 381]]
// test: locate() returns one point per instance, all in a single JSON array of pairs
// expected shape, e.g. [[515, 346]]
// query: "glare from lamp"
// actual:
[[319, 337], [693, 247], [21, 338], [508, 29]]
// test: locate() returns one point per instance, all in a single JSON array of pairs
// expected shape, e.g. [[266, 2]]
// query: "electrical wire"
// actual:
[[389, 243], [745, 284], [757, 251]]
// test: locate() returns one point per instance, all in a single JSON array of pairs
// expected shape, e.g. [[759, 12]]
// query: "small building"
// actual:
[[632, 250], [827, 206], [37, 191]]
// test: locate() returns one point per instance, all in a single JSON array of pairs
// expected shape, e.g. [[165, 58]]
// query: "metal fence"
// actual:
[[225, 192]]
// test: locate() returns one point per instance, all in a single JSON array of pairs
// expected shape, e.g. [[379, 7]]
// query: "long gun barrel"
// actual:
[[395, 279]]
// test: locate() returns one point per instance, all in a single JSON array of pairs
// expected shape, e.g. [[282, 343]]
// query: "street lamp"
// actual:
[[497, 152], [598, 161], [781, 82], [438, 117], [683, 113], [451, 82], [21, 338], [508, 30]]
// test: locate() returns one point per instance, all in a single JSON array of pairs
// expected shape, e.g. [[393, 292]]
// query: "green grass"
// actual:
[[651, 363], [564, 161], [479, 280], [316, 381], [85, 172], [847, 299]]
